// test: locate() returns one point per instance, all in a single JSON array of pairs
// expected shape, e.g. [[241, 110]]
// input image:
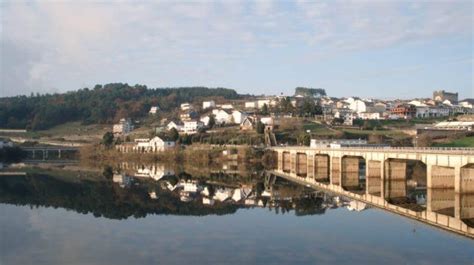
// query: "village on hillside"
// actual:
[[308, 117]]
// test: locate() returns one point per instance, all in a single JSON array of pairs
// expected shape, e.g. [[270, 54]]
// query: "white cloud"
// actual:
[[68, 44]]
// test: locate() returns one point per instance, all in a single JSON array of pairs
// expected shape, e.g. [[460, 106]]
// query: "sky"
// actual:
[[377, 49]]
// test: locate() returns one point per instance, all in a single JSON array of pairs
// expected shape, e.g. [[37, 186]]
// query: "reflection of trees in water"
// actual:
[[102, 199], [108, 199]]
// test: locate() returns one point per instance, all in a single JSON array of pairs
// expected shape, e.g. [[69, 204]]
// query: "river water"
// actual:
[[71, 216]]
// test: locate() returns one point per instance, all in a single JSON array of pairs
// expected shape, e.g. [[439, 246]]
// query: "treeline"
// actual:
[[102, 104]]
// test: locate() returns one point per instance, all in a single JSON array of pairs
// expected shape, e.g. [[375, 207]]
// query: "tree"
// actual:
[[260, 128], [264, 110], [173, 134], [212, 121], [304, 139], [108, 139]]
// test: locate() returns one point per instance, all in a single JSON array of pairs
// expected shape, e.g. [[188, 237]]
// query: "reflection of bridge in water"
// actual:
[[435, 186]]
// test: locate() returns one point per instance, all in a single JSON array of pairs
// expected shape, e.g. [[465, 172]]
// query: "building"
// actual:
[[442, 95], [222, 116], [192, 126], [123, 127], [186, 106], [358, 106], [154, 110], [178, 125], [248, 123], [369, 116], [188, 115], [456, 125], [251, 105], [156, 144], [405, 111], [208, 104], [238, 116], [337, 143]]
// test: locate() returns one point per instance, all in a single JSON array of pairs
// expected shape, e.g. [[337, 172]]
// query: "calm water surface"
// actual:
[[48, 218]]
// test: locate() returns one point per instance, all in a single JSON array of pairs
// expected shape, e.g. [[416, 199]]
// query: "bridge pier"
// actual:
[[464, 176], [311, 165], [350, 173], [321, 168], [395, 179], [374, 176], [336, 170]]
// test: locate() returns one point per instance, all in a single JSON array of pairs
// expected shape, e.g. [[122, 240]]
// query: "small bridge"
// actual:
[[45, 151]]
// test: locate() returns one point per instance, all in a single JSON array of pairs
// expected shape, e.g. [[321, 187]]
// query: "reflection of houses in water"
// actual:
[[122, 179], [153, 195], [154, 171], [357, 206], [207, 201], [222, 194]]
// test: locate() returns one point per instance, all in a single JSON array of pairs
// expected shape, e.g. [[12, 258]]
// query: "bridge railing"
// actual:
[[458, 150]]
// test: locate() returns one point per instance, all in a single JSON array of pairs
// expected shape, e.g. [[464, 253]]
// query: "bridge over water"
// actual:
[[434, 185], [44, 151]]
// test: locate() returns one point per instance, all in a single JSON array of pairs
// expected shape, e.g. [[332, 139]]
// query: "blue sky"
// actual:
[[382, 49]]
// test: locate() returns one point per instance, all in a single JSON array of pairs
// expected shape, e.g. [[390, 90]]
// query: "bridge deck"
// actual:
[[423, 150]]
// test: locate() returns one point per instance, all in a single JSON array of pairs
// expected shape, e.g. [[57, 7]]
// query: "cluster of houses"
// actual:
[[443, 104], [225, 114], [195, 119]]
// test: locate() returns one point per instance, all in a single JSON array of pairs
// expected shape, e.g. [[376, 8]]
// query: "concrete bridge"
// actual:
[[392, 178]]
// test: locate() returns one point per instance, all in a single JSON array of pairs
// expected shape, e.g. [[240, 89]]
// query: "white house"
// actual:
[[205, 120], [262, 102], [222, 116], [227, 106], [358, 106], [208, 104], [369, 115], [186, 106], [238, 116], [178, 125], [155, 172], [251, 105], [466, 104], [123, 127], [156, 144], [154, 110], [192, 126]]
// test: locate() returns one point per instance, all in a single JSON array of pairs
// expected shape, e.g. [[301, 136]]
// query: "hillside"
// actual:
[[102, 104]]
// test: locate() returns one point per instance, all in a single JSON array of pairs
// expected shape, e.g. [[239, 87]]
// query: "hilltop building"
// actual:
[[442, 96]]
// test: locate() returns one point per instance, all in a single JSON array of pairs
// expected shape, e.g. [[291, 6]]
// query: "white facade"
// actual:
[[251, 105], [205, 120], [427, 112], [186, 106], [123, 127], [208, 104], [192, 126], [358, 106], [238, 116], [222, 116], [227, 106], [176, 125], [154, 110], [369, 115], [156, 144]]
